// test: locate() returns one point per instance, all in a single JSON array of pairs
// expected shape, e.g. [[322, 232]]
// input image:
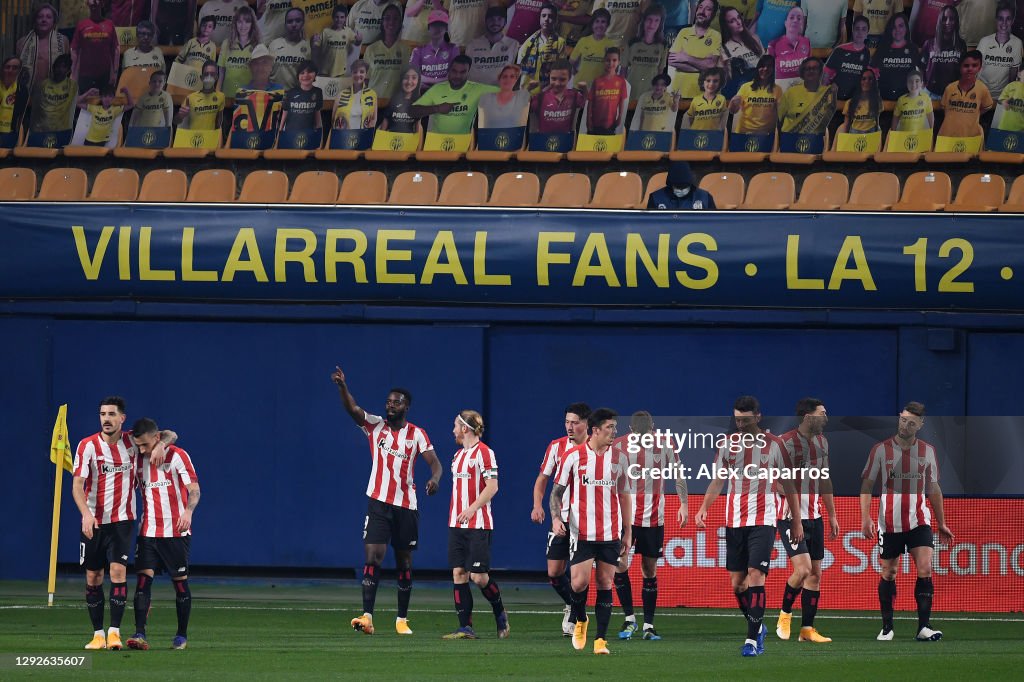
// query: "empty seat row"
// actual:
[[770, 191], [923, 192], [563, 190]]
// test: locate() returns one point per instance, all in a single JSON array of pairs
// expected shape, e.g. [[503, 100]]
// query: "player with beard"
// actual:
[[391, 514]]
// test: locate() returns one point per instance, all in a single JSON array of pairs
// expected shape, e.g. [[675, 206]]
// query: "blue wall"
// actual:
[[283, 469]]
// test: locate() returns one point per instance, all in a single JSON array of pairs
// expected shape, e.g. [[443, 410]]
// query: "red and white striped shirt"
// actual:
[[648, 492], [803, 454], [750, 500], [597, 480], [553, 457], [165, 493], [906, 476], [109, 474], [471, 469], [393, 453]]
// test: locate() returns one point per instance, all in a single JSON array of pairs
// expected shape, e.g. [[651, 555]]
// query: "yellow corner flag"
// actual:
[[60, 448], [60, 455]]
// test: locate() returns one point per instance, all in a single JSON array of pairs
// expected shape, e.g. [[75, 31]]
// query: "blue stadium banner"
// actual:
[[1005, 141], [51, 140], [542, 142], [657, 258], [751, 143], [500, 139], [800, 143], [648, 141], [148, 138], [308, 139], [700, 140], [348, 138], [8, 140], [244, 139]]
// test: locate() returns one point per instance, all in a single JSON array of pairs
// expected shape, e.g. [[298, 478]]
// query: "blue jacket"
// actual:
[[696, 200]]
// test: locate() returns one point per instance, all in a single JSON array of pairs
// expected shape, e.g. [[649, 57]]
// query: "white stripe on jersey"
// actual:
[[750, 501], [648, 492], [803, 454], [597, 482], [109, 474], [471, 469], [393, 454], [165, 493], [553, 457], [907, 474]]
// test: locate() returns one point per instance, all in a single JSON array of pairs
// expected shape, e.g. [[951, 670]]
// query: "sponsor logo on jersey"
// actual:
[[602, 482], [159, 484], [111, 469]]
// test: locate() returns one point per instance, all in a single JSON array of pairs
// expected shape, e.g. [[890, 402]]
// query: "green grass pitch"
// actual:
[[256, 630]]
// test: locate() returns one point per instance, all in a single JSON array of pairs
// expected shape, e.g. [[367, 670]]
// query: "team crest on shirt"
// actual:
[[707, 41]]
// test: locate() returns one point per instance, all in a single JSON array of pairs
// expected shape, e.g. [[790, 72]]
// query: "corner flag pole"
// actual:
[[60, 455]]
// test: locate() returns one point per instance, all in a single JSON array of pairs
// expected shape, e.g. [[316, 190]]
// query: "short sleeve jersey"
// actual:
[[963, 109], [393, 454], [464, 103], [151, 110]]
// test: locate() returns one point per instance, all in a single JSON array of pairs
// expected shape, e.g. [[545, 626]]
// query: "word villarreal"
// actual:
[[397, 256]]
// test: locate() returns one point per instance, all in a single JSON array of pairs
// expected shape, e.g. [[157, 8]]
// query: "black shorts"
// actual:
[[813, 542], [649, 542], [111, 544], [469, 548], [606, 552], [160, 555], [894, 544], [389, 523], [749, 547], [558, 547]]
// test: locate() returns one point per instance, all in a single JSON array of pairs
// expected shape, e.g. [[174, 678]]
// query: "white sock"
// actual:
[[648, 626], [98, 632], [114, 631], [631, 619], [750, 642], [401, 620]]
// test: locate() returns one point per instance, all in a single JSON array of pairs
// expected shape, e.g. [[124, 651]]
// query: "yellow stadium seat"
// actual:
[[213, 185], [17, 184], [115, 184], [823, 192], [264, 187], [515, 189], [414, 188], [464, 188], [770, 192], [925, 191], [63, 184], [566, 190], [727, 189], [315, 187], [657, 181], [136, 79], [618, 189], [979, 193], [165, 185], [1015, 202], [873, 191], [364, 187]]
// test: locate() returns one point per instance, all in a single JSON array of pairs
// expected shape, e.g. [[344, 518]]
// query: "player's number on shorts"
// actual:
[[789, 539], [572, 546], [880, 542], [551, 539], [81, 553], [366, 522]]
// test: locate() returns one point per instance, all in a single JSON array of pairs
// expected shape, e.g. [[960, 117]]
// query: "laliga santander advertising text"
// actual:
[[983, 565]]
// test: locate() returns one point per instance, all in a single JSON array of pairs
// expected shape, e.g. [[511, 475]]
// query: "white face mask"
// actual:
[[209, 81], [680, 191]]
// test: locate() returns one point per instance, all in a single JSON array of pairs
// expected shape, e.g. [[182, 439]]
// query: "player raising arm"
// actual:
[[558, 544], [391, 514], [750, 513], [909, 473]]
